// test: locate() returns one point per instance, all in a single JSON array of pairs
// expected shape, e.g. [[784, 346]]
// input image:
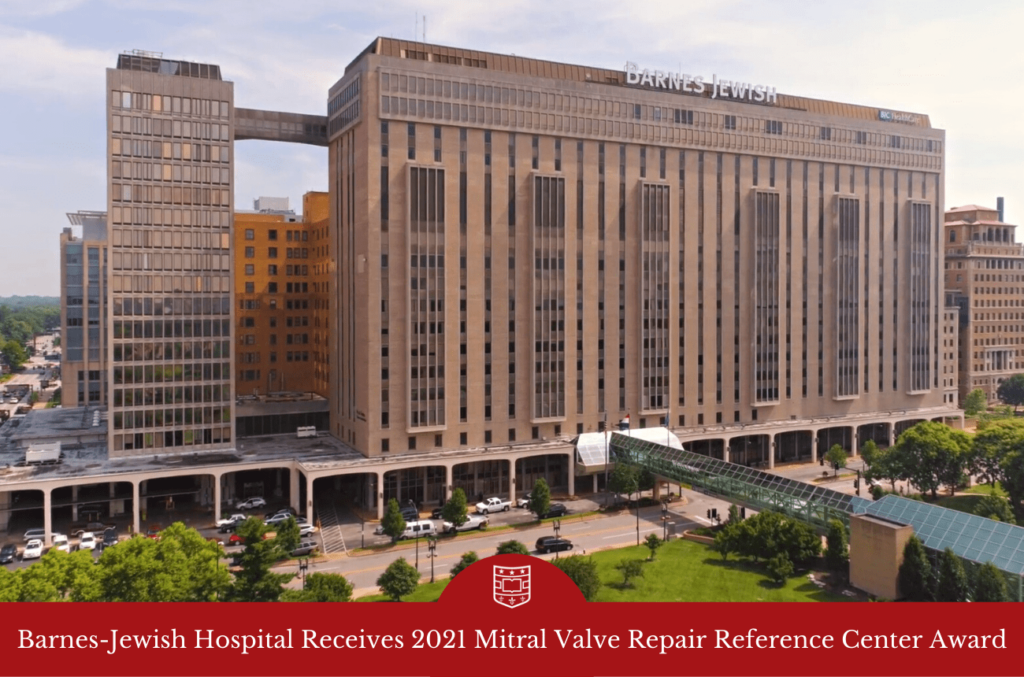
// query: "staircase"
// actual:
[[331, 538]]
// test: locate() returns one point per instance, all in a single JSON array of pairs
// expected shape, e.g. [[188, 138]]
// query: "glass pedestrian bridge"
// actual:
[[977, 540]]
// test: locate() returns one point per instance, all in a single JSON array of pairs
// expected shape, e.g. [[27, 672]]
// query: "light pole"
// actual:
[[556, 524], [636, 486], [417, 553], [664, 520], [303, 567], [432, 547]]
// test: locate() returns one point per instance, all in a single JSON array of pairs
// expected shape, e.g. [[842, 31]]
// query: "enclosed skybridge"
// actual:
[[737, 483]]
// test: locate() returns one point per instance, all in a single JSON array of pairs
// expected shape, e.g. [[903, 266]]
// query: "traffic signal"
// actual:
[[743, 513], [709, 513], [601, 426], [714, 513]]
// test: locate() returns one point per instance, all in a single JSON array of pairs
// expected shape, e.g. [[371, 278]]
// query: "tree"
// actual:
[[60, 576], [975, 402], [467, 558], [1011, 391], [454, 510], [540, 498], [779, 568], [886, 466], [994, 441], [512, 548], [14, 353], [734, 514], [990, 585], [653, 543], [10, 585], [727, 540], [624, 479], [321, 587], [583, 572], [630, 569], [254, 581], [952, 586], [915, 575], [799, 542], [836, 457], [287, 537], [181, 567], [869, 452], [398, 580], [393, 523], [933, 454], [837, 555], [1011, 477], [996, 508]]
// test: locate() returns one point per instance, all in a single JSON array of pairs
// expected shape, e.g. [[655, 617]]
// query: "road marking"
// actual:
[[627, 533], [700, 519]]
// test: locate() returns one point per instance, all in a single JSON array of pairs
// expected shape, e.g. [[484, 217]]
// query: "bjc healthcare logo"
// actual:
[[511, 586]]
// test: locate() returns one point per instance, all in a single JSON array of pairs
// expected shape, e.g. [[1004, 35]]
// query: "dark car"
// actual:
[[8, 553], [437, 513], [555, 510], [109, 538], [305, 548], [410, 513], [282, 511], [552, 544]]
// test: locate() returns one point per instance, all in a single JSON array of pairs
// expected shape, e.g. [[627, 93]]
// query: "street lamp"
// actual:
[[636, 486], [556, 524], [432, 547], [664, 520], [417, 553], [303, 567]]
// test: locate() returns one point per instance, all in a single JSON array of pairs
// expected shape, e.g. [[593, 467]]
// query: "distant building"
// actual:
[[985, 279], [272, 204], [83, 311]]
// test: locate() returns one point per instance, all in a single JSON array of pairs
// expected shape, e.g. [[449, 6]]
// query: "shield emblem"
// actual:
[[511, 586]]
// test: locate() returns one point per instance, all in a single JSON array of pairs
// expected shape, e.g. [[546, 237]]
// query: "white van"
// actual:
[[419, 528]]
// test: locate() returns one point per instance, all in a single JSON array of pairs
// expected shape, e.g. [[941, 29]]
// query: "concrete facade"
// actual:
[[876, 553], [84, 264]]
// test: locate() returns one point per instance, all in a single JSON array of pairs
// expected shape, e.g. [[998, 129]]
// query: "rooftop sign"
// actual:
[[906, 118], [695, 84]]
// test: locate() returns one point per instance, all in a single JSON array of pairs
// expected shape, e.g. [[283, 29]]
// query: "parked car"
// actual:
[[410, 513], [231, 523], [251, 503], [306, 530], [154, 531], [555, 510], [35, 534], [8, 553], [87, 541], [305, 548], [60, 542], [419, 528], [524, 502], [109, 538], [494, 504], [288, 510], [281, 518], [238, 540], [437, 513], [33, 550], [472, 522], [551, 544]]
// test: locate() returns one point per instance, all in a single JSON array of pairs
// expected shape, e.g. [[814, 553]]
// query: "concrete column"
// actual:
[[892, 433], [113, 489], [309, 499], [656, 492], [293, 489], [512, 481], [216, 498], [853, 441], [726, 447], [448, 480], [74, 503], [814, 446], [572, 473], [595, 482], [423, 482], [5, 509], [771, 451], [47, 519], [136, 506], [380, 495], [279, 483]]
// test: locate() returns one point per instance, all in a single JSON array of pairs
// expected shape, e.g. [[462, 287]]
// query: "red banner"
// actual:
[[510, 615]]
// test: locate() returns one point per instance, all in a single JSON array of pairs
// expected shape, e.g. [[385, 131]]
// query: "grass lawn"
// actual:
[[684, 571], [963, 503], [986, 489]]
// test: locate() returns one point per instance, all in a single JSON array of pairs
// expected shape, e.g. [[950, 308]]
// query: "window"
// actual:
[[535, 431], [636, 116], [730, 122], [463, 439], [862, 138], [250, 269], [773, 127], [250, 287], [272, 269], [487, 437], [385, 445], [412, 440], [271, 234], [894, 141], [272, 287], [250, 252], [272, 252], [511, 434], [826, 133], [685, 117], [250, 234]]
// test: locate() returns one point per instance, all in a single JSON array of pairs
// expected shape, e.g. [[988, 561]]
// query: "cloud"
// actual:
[[37, 8], [42, 64]]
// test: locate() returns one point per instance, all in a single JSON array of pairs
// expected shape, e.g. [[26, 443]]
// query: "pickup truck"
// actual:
[[493, 504], [472, 522], [230, 523]]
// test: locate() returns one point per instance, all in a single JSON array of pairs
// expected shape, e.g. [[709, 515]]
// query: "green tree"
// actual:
[[393, 522], [254, 582], [540, 498], [734, 514], [996, 508], [887, 466], [837, 555], [868, 452], [321, 588], [630, 569], [990, 585], [10, 585], [915, 575], [799, 542], [994, 441], [287, 537], [836, 457], [975, 402], [181, 567], [727, 540], [1011, 391], [455, 510], [1011, 477], [583, 572], [952, 585], [624, 479], [933, 454], [60, 576], [467, 558], [512, 548], [779, 568], [399, 579], [14, 353], [653, 543]]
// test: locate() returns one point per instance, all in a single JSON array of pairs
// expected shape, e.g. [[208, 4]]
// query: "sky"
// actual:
[[958, 63]]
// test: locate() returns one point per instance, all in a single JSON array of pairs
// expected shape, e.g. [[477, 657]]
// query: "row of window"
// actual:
[[178, 173], [157, 103], [186, 129]]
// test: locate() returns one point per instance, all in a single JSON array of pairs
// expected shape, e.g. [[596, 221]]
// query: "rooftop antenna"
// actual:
[[416, 30], [424, 28]]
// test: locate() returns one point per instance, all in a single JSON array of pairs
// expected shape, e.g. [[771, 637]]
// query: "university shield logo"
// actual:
[[511, 586]]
